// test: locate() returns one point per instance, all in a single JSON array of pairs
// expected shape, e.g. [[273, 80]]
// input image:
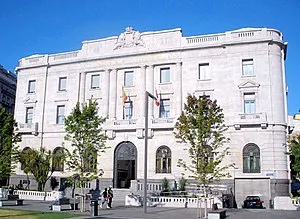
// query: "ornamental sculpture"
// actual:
[[130, 38]]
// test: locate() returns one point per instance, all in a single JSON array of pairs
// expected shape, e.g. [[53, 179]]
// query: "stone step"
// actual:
[[119, 194]]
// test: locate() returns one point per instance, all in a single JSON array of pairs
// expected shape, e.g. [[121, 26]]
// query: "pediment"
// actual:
[[249, 84], [30, 100]]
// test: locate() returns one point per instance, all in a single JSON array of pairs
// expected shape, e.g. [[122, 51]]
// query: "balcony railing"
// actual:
[[250, 119], [28, 128], [162, 120], [125, 122]]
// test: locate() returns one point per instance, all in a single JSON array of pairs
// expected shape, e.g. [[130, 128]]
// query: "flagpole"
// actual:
[[146, 152], [147, 94]]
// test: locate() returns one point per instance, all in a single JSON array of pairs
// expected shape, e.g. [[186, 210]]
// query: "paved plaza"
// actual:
[[120, 211]]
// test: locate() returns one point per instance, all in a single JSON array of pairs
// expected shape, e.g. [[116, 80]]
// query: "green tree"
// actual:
[[201, 126], [294, 146], [87, 138], [38, 162], [8, 146], [165, 184]]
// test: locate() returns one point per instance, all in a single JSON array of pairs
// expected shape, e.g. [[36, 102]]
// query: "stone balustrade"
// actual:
[[37, 195]]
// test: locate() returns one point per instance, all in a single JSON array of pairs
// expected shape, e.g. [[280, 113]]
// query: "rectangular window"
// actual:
[[29, 115], [164, 108], [62, 85], [128, 78], [31, 86], [247, 67], [95, 81], [249, 103], [203, 71], [164, 75], [60, 114], [128, 110]]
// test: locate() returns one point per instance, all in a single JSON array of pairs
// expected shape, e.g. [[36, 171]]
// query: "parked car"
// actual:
[[253, 201]]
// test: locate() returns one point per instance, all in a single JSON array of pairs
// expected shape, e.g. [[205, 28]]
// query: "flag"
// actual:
[[157, 99], [124, 96]]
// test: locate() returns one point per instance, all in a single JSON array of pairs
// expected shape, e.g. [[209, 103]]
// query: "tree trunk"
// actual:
[[40, 186], [27, 187]]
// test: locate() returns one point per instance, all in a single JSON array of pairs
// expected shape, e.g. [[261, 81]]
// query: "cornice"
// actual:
[[134, 54]]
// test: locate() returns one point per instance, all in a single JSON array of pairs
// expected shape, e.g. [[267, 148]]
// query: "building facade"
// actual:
[[242, 69], [8, 83]]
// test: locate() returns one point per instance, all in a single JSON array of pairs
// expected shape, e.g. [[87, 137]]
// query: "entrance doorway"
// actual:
[[125, 158]]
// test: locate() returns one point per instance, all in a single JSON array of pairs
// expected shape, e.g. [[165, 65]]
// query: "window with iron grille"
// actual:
[[251, 158], [163, 160]]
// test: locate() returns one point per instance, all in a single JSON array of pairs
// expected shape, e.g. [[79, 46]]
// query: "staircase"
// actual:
[[119, 194]]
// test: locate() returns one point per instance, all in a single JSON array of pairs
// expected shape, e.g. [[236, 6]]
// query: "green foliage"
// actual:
[[201, 126], [165, 184], [38, 163], [8, 144], [294, 146], [182, 184], [87, 138]]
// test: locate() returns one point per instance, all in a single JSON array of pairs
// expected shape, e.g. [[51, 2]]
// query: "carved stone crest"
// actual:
[[130, 38]]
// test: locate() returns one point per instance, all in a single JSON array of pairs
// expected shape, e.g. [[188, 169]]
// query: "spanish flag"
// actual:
[[157, 98], [124, 96]]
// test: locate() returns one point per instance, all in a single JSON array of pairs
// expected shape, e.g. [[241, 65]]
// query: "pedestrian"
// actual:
[[110, 196], [104, 197]]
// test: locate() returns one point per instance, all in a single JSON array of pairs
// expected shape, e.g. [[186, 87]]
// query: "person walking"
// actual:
[[110, 196], [104, 198]]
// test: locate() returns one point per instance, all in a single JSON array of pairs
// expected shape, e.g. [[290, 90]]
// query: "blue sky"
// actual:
[[53, 26]]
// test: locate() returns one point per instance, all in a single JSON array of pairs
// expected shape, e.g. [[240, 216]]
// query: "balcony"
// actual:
[[161, 123], [28, 128], [251, 119], [124, 124]]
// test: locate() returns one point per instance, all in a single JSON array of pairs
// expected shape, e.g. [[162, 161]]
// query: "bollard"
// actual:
[[94, 208]]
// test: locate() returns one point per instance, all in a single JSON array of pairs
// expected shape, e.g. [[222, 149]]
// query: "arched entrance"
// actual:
[[125, 158]]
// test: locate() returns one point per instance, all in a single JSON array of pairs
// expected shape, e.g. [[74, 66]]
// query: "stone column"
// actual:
[[178, 89], [113, 94], [82, 87], [150, 88], [141, 86], [105, 92]]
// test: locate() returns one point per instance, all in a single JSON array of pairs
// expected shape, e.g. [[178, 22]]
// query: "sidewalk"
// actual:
[[119, 211], [180, 213]]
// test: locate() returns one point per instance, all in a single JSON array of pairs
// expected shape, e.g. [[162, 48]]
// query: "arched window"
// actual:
[[251, 158], [23, 155], [58, 159], [163, 160], [90, 161]]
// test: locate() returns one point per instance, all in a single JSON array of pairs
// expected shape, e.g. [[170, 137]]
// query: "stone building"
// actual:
[[8, 82], [243, 69]]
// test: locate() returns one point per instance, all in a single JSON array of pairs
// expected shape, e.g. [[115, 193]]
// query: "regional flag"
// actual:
[[124, 96], [157, 99]]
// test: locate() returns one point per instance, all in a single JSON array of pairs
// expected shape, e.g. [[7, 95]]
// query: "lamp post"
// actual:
[[147, 94]]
